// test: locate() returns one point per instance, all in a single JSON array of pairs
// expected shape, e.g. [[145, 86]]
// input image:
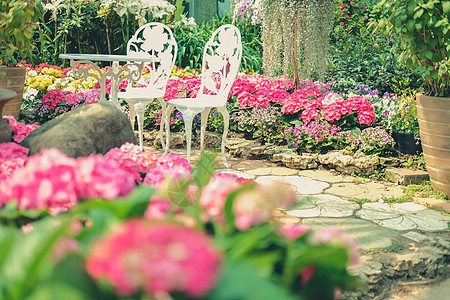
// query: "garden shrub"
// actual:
[[360, 52]]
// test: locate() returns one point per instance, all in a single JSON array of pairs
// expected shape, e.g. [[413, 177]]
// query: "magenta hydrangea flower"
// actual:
[[157, 257], [97, 177], [47, 181]]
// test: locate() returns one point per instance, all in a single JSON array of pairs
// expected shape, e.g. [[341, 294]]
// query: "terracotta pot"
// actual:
[[14, 80], [434, 125]]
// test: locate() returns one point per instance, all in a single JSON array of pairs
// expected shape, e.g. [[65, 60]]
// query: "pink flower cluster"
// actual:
[[186, 87], [331, 107], [12, 157], [53, 181], [158, 257], [215, 193], [155, 167], [20, 130], [38, 68], [261, 91]]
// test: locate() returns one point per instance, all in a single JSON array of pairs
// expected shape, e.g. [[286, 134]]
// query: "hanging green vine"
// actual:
[[295, 37]]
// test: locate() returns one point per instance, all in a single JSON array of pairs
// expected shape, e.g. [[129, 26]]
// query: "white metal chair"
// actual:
[[221, 60], [150, 40]]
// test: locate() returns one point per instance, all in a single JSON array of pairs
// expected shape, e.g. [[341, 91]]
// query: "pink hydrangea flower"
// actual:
[[366, 117], [157, 257], [12, 157], [215, 193], [92, 96], [157, 208], [97, 177], [20, 130], [47, 181], [292, 231], [167, 166], [131, 158], [309, 114]]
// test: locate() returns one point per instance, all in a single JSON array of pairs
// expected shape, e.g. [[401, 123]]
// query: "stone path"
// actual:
[[360, 207]]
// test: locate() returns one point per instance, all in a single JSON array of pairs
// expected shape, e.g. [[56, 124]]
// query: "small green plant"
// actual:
[[424, 190], [396, 200], [395, 247], [361, 201]]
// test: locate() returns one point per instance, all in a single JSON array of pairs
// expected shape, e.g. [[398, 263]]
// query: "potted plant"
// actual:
[[404, 124], [423, 28], [17, 24]]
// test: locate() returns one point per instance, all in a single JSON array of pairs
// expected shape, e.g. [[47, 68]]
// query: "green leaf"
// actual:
[[240, 281], [27, 261], [205, 169], [446, 7], [418, 13]]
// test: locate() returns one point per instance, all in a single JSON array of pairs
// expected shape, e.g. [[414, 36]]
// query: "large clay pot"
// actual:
[[14, 80], [434, 124], [5, 130]]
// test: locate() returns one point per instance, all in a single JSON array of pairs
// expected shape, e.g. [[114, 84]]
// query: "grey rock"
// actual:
[[5, 131], [94, 128]]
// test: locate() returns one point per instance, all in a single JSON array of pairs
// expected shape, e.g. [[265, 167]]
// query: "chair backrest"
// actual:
[[221, 61], [155, 40]]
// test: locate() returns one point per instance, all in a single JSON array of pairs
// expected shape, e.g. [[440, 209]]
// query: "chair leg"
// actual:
[[205, 115], [162, 122], [188, 117], [132, 115], [226, 122], [169, 111], [140, 110]]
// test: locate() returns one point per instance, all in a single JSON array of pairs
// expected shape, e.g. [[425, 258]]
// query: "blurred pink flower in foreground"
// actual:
[[47, 180], [255, 206], [12, 157], [339, 238], [96, 177], [292, 231], [157, 257]]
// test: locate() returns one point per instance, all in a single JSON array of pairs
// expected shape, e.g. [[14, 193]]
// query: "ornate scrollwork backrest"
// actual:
[[155, 40], [221, 60]]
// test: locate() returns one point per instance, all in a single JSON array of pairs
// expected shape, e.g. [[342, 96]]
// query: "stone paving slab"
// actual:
[[405, 176], [324, 175], [277, 171], [404, 216], [368, 235], [323, 206], [372, 190], [303, 185]]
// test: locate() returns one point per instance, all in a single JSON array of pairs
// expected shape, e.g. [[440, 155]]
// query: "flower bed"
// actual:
[[262, 108]]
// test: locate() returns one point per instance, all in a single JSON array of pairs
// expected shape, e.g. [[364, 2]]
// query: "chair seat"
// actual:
[[200, 101], [141, 93]]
